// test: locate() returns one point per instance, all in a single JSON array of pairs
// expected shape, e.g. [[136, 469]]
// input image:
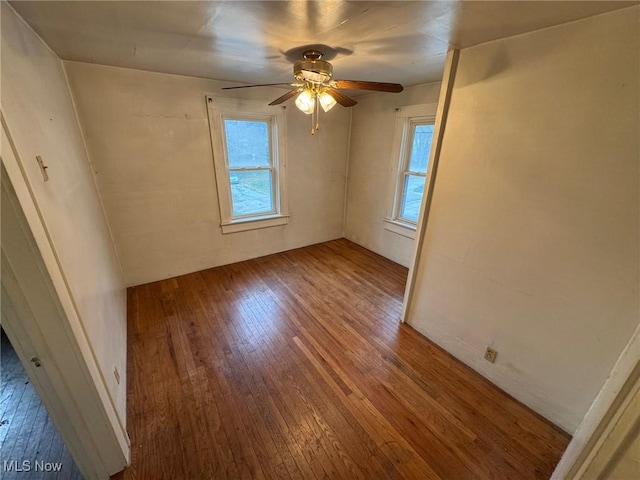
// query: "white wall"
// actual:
[[38, 108], [148, 137], [370, 151], [532, 241]]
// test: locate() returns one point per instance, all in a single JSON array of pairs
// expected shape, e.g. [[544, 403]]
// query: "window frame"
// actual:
[[407, 118], [272, 139], [221, 109]]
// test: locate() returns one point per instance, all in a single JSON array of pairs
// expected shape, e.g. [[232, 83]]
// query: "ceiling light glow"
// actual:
[[327, 102], [306, 101]]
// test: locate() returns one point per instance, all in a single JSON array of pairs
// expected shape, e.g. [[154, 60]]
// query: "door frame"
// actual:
[[39, 322], [446, 89], [601, 437]]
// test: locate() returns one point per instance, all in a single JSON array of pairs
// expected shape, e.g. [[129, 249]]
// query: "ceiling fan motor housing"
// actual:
[[317, 71]]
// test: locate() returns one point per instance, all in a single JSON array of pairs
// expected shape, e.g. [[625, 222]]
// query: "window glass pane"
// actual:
[[411, 197], [247, 143], [251, 192], [422, 137]]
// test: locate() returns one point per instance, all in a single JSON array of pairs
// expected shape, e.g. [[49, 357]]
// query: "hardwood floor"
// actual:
[[26, 430], [295, 366]]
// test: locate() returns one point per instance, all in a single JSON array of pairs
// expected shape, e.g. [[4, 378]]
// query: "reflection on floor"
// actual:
[[294, 365], [30, 446]]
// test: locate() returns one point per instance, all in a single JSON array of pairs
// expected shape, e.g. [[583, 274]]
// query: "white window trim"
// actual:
[[401, 228], [405, 118], [218, 110]]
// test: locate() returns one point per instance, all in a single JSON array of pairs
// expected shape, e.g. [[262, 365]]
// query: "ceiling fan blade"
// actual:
[[340, 97], [259, 85], [362, 85], [285, 97]]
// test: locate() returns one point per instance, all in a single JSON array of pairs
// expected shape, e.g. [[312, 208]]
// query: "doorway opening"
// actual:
[[29, 441]]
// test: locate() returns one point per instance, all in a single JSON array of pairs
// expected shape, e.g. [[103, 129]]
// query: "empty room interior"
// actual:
[[321, 239]]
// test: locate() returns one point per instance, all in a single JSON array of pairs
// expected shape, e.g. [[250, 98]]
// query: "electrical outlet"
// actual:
[[490, 354], [116, 374]]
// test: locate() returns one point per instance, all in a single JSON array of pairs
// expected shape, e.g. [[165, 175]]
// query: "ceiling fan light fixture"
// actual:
[[314, 88], [306, 101], [327, 102]]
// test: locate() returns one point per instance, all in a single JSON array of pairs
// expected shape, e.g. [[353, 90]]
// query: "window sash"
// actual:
[[272, 141], [260, 199], [403, 197], [409, 129], [240, 169]]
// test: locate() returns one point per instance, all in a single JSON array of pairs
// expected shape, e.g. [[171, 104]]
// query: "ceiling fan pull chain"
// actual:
[[313, 132]]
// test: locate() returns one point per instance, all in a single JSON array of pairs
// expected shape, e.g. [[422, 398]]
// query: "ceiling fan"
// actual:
[[315, 87]]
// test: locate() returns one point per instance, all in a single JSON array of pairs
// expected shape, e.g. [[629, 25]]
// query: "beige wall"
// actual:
[[532, 242], [372, 130], [148, 137], [38, 108]]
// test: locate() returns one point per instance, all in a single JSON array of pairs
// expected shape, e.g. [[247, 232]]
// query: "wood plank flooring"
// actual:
[[26, 430], [295, 366]]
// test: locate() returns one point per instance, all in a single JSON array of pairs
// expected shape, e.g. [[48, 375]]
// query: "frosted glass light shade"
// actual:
[[306, 101], [327, 102]]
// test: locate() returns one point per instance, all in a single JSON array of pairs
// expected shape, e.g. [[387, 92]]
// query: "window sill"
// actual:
[[254, 223], [404, 229]]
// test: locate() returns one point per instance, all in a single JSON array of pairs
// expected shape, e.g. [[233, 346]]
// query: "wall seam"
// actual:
[[345, 208]]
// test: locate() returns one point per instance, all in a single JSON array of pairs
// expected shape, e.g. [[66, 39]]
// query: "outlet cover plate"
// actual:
[[490, 355]]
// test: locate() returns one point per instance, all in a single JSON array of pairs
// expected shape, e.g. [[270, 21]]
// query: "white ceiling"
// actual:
[[243, 41]]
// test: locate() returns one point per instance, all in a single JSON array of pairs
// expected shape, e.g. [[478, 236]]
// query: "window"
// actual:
[[248, 153], [410, 167], [250, 167], [413, 177]]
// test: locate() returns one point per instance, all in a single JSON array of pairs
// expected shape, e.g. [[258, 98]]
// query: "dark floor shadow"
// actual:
[[30, 445]]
